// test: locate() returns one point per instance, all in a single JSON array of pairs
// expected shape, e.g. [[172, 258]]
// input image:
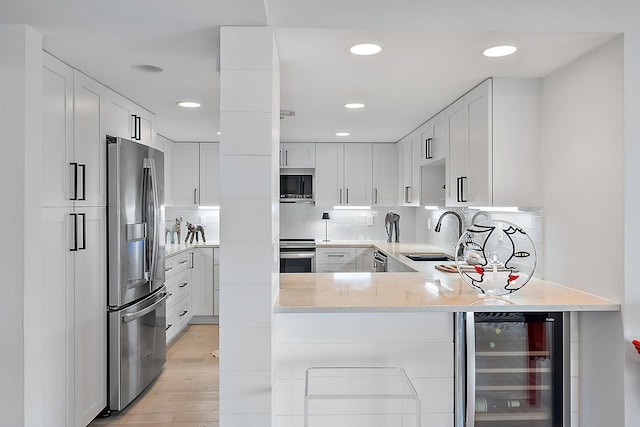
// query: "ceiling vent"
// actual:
[[287, 113]]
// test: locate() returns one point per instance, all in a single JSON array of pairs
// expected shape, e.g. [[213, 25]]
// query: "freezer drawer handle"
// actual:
[[138, 314]]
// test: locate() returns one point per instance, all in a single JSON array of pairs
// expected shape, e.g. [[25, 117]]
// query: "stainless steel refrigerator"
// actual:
[[136, 293]]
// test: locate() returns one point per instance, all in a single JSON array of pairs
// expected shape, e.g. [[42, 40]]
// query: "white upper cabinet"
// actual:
[[385, 167], [358, 162], [186, 173], [89, 172], [58, 180], [433, 139], [128, 120], [209, 174], [168, 170], [297, 155], [329, 174], [344, 174], [196, 174], [493, 134], [409, 170]]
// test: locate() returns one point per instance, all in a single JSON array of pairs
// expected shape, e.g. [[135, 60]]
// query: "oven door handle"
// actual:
[[297, 255], [138, 314]]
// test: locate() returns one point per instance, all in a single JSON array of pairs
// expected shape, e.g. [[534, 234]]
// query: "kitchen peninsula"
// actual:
[[396, 319]]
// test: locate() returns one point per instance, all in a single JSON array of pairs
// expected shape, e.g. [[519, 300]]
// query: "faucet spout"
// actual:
[[457, 215]]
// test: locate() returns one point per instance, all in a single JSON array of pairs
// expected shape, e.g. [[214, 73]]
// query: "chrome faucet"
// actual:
[[477, 214], [439, 224]]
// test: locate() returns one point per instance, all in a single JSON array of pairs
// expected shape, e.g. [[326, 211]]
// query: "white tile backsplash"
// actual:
[[208, 218], [303, 221], [447, 238]]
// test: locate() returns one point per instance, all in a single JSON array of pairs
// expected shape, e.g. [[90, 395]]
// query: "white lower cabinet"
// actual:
[[216, 282], [178, 283], [74, 271], [334, 260], [202, 269], [364, 260]]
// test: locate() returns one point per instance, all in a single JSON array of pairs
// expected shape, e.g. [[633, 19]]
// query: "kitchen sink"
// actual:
[[437, 256]]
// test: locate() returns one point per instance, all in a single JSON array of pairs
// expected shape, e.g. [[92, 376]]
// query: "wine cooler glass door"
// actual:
[[517, 376]]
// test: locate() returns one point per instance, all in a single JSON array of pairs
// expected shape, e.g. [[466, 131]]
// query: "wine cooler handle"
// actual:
[[471, 369]]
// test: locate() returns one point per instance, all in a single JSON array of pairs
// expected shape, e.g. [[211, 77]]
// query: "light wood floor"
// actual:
[[185, 394]]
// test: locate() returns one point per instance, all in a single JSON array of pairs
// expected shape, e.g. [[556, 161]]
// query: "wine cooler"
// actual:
[[510, 369]]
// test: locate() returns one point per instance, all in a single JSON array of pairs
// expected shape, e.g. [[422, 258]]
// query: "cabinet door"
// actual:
[[216, 282], [385, 174], [90, 151], [202, 282], [146, 130], [90, 302], [364, 260], [186, 174], [477, 107], [168, 171], [57, 271], [414, 190], [57, 132], [329, 174], [433, 139], [209, 175], [457, 167], [358, 161], [118, 116], [298, 155], [400, 189]]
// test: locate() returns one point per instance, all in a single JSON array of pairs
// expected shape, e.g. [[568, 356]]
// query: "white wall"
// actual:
[[249, 202], [583, 195], [21, 124]]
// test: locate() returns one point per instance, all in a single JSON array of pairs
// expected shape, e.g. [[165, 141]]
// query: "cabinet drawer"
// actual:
[[183, 312], [336, 268], [176, 263], [181, 284], [335, 256]]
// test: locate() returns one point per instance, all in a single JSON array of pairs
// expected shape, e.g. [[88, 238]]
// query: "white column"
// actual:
[[21, 124], [249, 221]]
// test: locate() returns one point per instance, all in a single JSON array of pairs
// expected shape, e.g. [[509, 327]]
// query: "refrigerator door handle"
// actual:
[[471, 369], [150, 166], [138, 314]]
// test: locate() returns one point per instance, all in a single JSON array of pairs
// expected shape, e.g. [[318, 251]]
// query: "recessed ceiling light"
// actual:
[[147, 68], [354, 105], [342, 134], [365, 49], [218, 132], [498, 51], [188, 104]]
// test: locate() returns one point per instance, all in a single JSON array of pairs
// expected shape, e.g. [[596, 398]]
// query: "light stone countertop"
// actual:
[[177, 248], [425, 290]]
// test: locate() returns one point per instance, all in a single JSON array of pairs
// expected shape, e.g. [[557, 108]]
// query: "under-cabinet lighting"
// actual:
[[344, 208], [188, 104], [342, 134], [354, 105], [431, 208], [209, 207], [497, 208]]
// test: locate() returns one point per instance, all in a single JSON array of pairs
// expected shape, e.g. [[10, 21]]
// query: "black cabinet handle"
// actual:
[[75, 181], [138, 129], [347, 201], [75, 232], [427, 143], [183, 285], [183, 313], [460, 189], [84, 181], [168, 326], [84, 232]]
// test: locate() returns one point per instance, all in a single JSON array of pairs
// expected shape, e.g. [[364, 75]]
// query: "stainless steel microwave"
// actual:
[[296, 188]]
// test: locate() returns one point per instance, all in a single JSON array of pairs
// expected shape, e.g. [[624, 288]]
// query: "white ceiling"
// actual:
[[416, 75]]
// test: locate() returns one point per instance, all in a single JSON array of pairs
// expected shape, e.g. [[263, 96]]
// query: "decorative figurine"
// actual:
[[391, 223], [194, 231], [172, 229]]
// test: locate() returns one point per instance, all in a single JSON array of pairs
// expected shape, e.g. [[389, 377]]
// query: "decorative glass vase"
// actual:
[[495, 257]]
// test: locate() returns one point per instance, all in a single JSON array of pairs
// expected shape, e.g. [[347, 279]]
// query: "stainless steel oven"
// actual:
[[297, 256]]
